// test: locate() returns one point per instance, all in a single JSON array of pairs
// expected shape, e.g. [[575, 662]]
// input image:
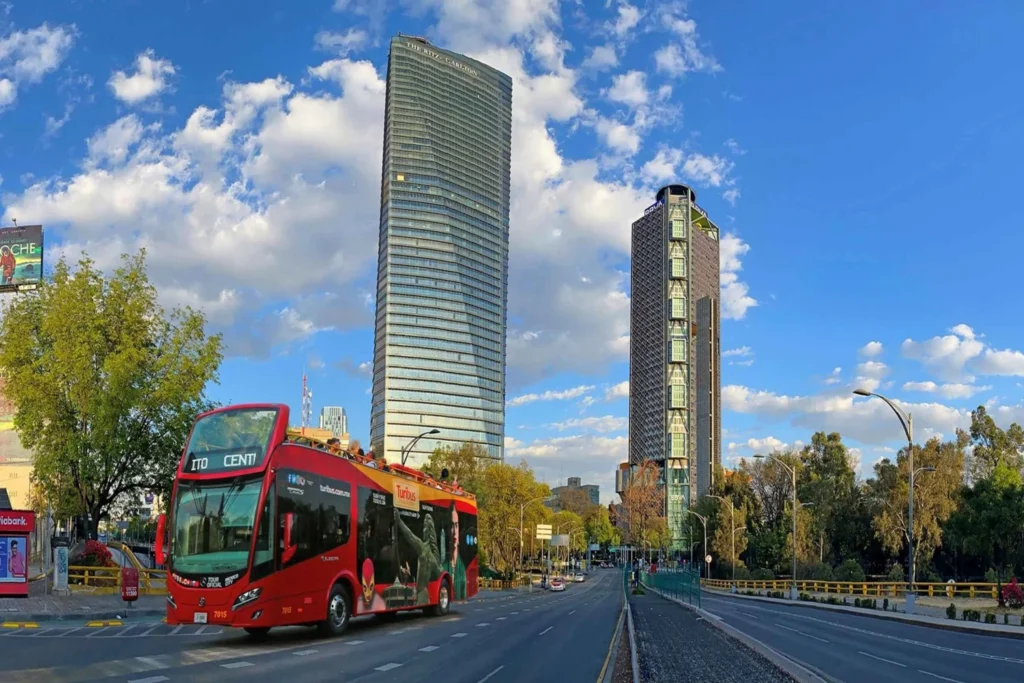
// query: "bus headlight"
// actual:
[[246, 597]]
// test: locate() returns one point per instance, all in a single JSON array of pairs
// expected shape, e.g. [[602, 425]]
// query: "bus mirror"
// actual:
[[289, 544], [158, 545], [444, 473]]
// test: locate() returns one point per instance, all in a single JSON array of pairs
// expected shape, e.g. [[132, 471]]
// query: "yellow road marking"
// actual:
[[19, 624], [102, 624]]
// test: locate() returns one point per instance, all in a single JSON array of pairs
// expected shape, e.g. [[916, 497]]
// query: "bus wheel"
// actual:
[[257, 632], [338, 611], [444, 602]]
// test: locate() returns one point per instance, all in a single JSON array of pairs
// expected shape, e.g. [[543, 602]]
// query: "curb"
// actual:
[[948, 625], [798, 671], [19, 624], [632, 644], [608, 670]]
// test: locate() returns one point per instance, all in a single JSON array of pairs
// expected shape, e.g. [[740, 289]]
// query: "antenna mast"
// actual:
[[307, 403]]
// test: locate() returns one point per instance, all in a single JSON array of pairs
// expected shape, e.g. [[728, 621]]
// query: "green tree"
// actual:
[[720, 545], [599, 526], [995, 450], [465, 463], [502, 490], [935, 498], [829, 483], [105, 384]]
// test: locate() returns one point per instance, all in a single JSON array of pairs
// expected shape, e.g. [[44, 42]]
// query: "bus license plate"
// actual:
[[199, 618]]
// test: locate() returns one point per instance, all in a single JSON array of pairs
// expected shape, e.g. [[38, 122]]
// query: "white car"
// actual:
[[580, 577], [557, 585]]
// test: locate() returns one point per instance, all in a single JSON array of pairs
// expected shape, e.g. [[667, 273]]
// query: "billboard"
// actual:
[[21, 257]]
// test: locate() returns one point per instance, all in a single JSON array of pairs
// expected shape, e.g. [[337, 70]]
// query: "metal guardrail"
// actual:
[[865, 588], [503, 585], [681, 584], [107, 580]]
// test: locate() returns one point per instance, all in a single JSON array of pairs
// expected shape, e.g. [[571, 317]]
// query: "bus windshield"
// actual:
[[229, 440], [213, 527]]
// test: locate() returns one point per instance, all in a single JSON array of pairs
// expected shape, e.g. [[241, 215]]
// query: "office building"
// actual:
[[334, 419], [593, 492], [442, 268], [674, 384]]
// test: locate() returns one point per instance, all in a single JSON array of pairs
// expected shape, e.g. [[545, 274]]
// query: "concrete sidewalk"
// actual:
[[79, 607], [676, 644]]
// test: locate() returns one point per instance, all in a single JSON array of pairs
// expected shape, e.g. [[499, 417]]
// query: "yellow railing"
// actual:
[[865, 588], [496, 584], [105, 580]]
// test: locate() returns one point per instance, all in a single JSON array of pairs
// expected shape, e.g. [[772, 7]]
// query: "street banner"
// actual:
[[21, 256]]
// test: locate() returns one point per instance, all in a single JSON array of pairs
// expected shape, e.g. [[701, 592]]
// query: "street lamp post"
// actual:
[[408, 447], [704, 521], [907, 422], [522, 511], [792, 470]]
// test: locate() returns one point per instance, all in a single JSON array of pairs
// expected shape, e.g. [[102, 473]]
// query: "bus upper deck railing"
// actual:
[[865, 588], [298, 437]]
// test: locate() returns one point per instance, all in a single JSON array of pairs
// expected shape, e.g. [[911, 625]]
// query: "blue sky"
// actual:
[[859, 158]]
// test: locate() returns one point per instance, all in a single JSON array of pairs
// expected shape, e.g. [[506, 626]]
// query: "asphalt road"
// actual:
[[855, 649], [537, 637]]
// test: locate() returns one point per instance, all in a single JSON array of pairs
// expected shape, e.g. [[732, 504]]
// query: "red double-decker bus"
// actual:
[[270, 528]]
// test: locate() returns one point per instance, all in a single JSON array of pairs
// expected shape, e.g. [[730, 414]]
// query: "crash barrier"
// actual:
[[864, 588]]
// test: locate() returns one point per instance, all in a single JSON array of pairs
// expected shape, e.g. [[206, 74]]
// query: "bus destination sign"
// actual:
[[201, 463]]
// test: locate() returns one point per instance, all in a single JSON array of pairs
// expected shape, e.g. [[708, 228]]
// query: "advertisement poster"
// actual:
[[12, 559], [21, 255]]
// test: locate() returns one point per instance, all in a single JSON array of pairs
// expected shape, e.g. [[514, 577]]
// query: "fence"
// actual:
[[864, 588], [107, 580], [681, 584], [503, 585]]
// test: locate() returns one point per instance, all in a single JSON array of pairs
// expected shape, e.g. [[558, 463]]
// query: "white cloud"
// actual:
[[152, 76], [834, 378], [627, 19], [620, 390], [742, 351], [685, 55], [607, 423], [662, 168], [601, 57], [342, 43], [735, 297], [550, 395], [114, 143], [731, 195], [872, 349], [594, 458], [629, 88], [27, 56], [707, 171], [947, 355], [734, 147], [618, 136], [870, 374], [950, 390], [768, 444]]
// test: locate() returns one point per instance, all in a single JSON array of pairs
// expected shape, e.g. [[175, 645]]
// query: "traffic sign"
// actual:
[[543, 532]]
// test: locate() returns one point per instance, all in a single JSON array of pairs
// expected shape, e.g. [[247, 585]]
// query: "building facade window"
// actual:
[[678, 268], [678, 229], [677, 396], [678, 308], [677, 350]]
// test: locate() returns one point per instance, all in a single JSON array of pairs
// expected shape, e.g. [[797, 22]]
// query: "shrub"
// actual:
[[896, 574], [1013, 596], [991, 576], [821, 572], [990, 618], [762, 574], [95, 554], [856, 602], [885, 605], [1006, 619], [742, 574], [951, 611], [850, 570]]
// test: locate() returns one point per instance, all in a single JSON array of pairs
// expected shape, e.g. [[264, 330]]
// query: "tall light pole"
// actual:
[[907, 422], [732, 510], [408, 447], [792, 470], [704, 521], [522, 511]]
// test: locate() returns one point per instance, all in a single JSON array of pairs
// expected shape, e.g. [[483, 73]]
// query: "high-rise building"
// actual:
[[593, 491], [442, 263], [334, 419], [674, 384]]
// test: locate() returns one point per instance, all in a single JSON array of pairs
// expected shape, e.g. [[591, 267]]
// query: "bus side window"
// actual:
[[335, 498], [263, 555], [305, 530]]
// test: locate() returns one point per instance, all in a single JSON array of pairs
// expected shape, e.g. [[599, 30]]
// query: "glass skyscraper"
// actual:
[[674, 356], [442, 263]]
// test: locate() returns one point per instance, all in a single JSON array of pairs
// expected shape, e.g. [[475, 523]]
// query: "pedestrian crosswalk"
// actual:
[[140, 630]]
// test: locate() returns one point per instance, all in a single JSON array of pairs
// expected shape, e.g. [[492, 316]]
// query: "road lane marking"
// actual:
[[201, 629], [236, 665], [176, 629], [572, 612], [151, 679], [303, 653], [514, 613], [941, 678], [387, 667], [501, 618], [808, 635], [881, 659], [545, 630], [429, 648], [750, 615], [354, 642], [482, 623], [491, 674], [459, 635]]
